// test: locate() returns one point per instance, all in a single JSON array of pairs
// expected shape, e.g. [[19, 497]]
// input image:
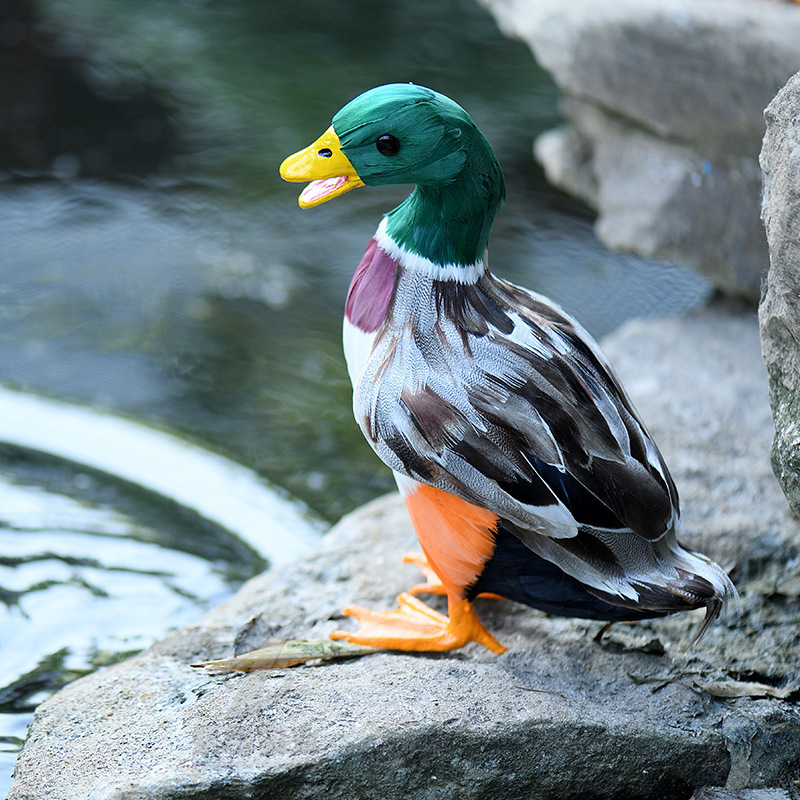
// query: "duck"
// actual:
[[526, 470]]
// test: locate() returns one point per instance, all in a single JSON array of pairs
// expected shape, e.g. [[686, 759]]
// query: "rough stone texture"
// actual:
[[716, 793], [780, 307], [557, 716], [664, 105]]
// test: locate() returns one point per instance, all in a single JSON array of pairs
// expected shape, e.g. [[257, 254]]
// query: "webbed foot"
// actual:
[[415, 627]]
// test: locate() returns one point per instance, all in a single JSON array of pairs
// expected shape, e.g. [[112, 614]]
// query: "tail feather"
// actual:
[[606, 575], [713, 610], [687, 580]]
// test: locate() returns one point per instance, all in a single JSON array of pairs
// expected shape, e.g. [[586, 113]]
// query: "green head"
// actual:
[[401, 133]]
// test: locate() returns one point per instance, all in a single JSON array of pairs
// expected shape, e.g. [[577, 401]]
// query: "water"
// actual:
[[111, 534], [199, 299]]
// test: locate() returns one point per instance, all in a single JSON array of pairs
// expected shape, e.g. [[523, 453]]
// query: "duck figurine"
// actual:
[[526, 470]]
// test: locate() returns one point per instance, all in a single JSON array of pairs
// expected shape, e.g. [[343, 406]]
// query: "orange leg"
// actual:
[[433, 584], [457, 539], [415, 627]]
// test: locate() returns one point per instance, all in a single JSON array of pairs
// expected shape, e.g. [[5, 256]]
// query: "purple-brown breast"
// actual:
[[371, 289]]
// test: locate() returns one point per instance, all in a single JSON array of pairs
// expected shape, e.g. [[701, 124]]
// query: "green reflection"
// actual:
[[248, 77], [215, 308]]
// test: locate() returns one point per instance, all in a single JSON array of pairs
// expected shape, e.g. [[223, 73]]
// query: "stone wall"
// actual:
[[780, 307]]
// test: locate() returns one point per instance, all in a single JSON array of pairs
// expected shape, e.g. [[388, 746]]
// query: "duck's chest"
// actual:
[[358, 346], [368, 304]]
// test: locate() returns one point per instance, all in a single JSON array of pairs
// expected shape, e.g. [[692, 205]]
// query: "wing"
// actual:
[[492, 393]]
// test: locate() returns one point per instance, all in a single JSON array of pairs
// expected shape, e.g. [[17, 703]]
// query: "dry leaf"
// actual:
[[744, 689], [286, 654]]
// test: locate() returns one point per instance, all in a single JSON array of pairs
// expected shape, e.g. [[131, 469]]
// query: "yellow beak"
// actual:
[[326, 166]]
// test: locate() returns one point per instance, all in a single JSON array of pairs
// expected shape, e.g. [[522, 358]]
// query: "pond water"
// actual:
[[198, 299]]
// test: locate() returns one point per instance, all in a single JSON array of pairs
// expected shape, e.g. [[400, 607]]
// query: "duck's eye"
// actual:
[[325, 153], [387, 145]]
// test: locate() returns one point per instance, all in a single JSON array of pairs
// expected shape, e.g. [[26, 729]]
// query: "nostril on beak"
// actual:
[[324, 153]]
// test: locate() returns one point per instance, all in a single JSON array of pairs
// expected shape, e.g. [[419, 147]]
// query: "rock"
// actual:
[[663, 103], [780, 307], [557, 716], [715, 793]]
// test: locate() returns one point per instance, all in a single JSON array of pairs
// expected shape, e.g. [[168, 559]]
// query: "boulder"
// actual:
[[640, 714], [780, 307], [663, 102], [718, 793]]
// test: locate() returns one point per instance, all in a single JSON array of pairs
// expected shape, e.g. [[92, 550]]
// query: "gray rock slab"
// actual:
[[687, 71], [664, 108], [717, 793], [557, 716], [779, 311], [661, 198]]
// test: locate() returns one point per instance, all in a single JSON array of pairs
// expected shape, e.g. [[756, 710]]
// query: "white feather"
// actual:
[[460, 273], [357, 349]]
